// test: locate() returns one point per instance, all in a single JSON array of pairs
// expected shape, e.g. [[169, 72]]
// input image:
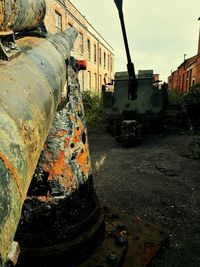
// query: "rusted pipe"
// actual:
[[30, 91], [21, 15]]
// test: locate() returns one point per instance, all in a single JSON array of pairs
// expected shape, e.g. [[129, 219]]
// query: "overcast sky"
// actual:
[[160, 32]]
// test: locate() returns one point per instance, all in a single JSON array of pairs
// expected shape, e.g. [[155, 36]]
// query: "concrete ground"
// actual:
[[155, 182]]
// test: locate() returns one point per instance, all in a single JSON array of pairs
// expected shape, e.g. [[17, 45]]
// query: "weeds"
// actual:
[[175, 97], [93, 108]]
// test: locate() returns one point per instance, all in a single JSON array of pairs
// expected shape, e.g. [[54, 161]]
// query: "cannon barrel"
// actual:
[[21, 15], [31, 87], [132, 83]]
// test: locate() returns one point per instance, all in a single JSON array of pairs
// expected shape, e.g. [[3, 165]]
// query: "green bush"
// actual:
[[193, 97], [175, 97], [93, 108]]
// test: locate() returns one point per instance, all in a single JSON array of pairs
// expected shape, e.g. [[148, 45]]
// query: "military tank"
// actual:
[[137, 100]]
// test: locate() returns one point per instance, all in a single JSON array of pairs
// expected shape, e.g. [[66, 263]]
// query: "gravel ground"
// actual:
[[156, 183]]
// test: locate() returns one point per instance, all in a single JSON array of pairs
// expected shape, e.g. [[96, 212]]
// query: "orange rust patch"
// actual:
[[76, 139], [82, 160], [77, 136], [13, 171], [66, 142], [45, 198], [72, 117], [60, 133], [60, 167]]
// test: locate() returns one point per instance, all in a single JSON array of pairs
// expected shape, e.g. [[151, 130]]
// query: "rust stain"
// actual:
[[82, 160], [77, 134], [72, 117], [61, 133], [60, 168], [47, 198], [13, 171], [67, 142], [29, 135], [76, 139]]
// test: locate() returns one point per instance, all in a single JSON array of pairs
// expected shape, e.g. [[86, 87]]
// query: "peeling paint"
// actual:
[[65, 157]]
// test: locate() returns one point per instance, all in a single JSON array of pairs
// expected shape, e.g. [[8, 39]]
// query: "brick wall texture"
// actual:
[[89, 45]]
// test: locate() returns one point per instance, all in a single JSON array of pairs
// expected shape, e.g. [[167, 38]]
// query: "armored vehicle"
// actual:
[[139, 98]]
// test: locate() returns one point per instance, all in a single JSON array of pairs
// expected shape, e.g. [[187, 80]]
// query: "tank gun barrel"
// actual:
[[30, 91], [132, 92]]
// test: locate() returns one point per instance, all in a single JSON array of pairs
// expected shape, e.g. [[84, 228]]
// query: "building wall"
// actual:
[[100, 69], [187, 75]]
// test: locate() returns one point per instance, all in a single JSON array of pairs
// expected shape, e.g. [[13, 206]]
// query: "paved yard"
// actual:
[[155, 182]]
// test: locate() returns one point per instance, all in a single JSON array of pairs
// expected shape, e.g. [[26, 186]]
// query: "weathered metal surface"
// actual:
[[65, 158], [129, 241], [21, 15], [61, 210], [30, 91]]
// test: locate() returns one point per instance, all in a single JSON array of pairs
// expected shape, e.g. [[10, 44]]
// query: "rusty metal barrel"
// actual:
[[21, 15], [30, 91]]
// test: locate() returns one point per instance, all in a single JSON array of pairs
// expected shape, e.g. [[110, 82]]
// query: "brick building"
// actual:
[[187, 74], [90, 45]]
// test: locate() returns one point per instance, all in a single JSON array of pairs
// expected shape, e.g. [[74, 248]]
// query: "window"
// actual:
[[81, 80], [95, 53], [183, 81], [95, 81], [100, 82], [190, 78], [88, 49], [100, 56], [81, 42], [111, 63], [187, 81], [89, 80], [104, 59], [58, 20], [108, 62]]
